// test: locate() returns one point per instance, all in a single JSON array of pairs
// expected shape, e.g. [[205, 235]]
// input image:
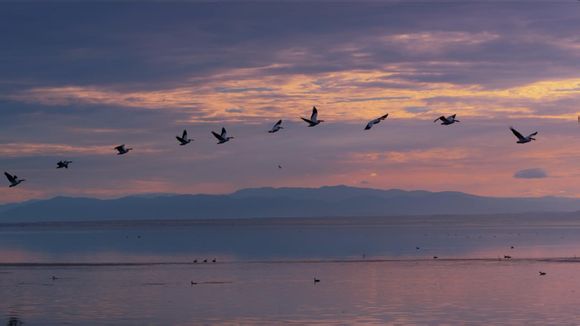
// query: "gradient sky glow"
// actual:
[[78, 79]]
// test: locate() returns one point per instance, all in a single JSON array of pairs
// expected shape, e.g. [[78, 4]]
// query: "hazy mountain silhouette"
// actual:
[[279, 202]]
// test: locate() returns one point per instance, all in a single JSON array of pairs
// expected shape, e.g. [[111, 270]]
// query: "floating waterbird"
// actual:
[[63, 164]]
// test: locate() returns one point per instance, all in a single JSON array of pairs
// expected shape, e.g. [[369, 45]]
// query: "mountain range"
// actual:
[[329, 201]]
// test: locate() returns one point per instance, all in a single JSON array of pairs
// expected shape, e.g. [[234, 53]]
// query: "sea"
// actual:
[[430, 270]]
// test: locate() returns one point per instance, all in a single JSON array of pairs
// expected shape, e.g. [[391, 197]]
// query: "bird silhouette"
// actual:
[[313, 121], [277, 126], [376, 121], [13, 179], [445, 121], [121, 150], [223, 137], [183, 140], [521, 138], [63, 164]]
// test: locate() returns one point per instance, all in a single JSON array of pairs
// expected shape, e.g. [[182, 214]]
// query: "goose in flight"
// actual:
[[14, 181], [376, 121], [447, 121], [521, 138], [63, 164], [183, 140], [313, 121], [277, 126], [121, 150], [223, 137]]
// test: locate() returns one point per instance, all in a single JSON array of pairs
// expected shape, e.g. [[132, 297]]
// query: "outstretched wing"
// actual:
[[218, 136], [314, 115], [224, 132], [517, 133], [452, 116], [184, 135], [277, 124], [120, 147], [369, 125], [531, 135], [306, 120], [442, 118], [10, 177], [384, 117]]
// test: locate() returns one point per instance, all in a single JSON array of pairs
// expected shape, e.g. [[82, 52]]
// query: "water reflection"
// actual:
[[303, 239], [420, 292], [470, 283]]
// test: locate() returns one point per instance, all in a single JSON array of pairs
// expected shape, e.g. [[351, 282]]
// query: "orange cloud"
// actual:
[[32, 149], [250, 94]]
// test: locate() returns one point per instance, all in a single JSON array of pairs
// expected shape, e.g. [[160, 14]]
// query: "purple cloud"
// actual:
[[535, 173]]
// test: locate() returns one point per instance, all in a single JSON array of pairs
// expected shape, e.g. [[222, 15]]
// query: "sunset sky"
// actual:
[[77, 79]]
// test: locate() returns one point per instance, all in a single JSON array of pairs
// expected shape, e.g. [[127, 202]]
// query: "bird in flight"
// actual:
[[376, 121], [63, 164], [313, 121], [13, 179], [277, 126], [447, 121], [521, 138], [223, 137], [121, 150], [183, 140]]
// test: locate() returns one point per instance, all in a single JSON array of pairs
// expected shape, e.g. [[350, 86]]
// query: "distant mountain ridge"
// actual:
[[330, 201]]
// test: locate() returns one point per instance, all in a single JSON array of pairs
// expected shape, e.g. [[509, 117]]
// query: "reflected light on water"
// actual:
[[370, 274], [424, 292]]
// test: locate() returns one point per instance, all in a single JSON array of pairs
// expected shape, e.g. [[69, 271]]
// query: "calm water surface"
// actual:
[[370, 270]]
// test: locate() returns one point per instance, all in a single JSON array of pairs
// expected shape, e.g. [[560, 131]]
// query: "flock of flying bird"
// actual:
[[223, 137]]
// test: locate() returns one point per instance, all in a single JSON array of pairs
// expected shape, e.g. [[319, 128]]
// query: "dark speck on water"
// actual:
[[141, 283]]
